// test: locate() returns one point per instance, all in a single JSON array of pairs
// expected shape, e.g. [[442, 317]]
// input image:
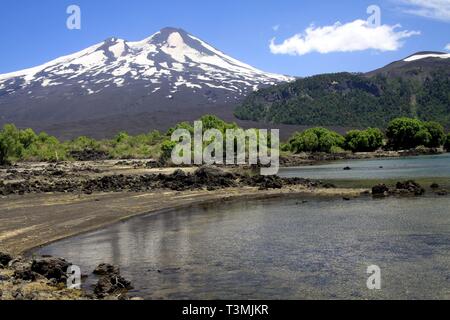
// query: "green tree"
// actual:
[[447, 143], [27, 137], [84, 143], [166, 151], [121, 136], [376, 138], [437, 134], [364, 141], [45, 148], [315, 140], [10, 146], [407, 133]]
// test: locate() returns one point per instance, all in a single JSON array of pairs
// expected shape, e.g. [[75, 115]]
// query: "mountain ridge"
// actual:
[[416, 86]]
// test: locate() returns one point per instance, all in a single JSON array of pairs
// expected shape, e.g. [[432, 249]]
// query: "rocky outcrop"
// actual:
[[106, 269], [45, 278], [380, 190], [110, 282], [402, 188], [5, 258], [409, 187], [210, 178], [89, 155], [51, 268]]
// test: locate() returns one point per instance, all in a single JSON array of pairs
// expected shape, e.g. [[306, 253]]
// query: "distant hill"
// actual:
[[417, 86]]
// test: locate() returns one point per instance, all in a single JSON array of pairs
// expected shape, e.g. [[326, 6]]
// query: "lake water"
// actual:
[[293, 248], [435, 166]]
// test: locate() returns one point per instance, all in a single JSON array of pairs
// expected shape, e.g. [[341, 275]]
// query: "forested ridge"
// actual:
[[352, 100]]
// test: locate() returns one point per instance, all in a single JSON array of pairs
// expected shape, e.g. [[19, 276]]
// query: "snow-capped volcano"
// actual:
[[169, 63], [170, 69]]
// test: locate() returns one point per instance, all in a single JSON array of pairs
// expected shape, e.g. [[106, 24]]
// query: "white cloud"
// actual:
[[353, 36], [447, 47], [276, 27], [433, 9]]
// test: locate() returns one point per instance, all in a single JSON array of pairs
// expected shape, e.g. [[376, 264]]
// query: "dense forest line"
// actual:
[[26, 145], [352, 100]]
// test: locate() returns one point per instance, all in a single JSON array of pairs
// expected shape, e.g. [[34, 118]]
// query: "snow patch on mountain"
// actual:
[[425, 56]]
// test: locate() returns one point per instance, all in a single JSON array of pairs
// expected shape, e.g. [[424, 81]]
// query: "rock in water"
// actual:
[[410, 187], [106, 269], [110, 282]]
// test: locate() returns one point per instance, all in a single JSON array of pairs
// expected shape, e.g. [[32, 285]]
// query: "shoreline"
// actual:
[[55, 215], [310, 159], [32, 221], [40, 228]]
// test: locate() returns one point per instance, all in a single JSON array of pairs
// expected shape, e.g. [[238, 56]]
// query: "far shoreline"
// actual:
[[311, 159]]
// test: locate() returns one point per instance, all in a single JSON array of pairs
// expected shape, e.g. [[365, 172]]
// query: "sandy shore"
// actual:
[[30, 221]]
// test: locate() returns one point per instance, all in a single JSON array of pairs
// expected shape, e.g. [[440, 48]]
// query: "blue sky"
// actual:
[[34, 32]]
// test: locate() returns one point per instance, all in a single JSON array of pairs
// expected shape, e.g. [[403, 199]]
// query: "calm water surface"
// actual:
[[436, 166], [278, 249]]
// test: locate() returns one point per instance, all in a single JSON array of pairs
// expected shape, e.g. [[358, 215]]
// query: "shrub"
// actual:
[[83, 143], [45, 148], [11, 147], [437, 135], [364, 141], [447, 143], [315, 140], [407, 133], [166, 151]]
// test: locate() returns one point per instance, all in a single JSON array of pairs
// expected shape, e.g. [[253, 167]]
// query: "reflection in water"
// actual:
[[396, 168], [282, 249]]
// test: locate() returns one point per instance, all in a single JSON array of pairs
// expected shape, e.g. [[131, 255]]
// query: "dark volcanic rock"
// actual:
[[215, 177], [106, 269], [22, 269], [434, 186], [89, 155], [25, 274], [111, 284], [51, 268], [380, 190], [206, 177], [411, 187], [269, 182], [5, 258]]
